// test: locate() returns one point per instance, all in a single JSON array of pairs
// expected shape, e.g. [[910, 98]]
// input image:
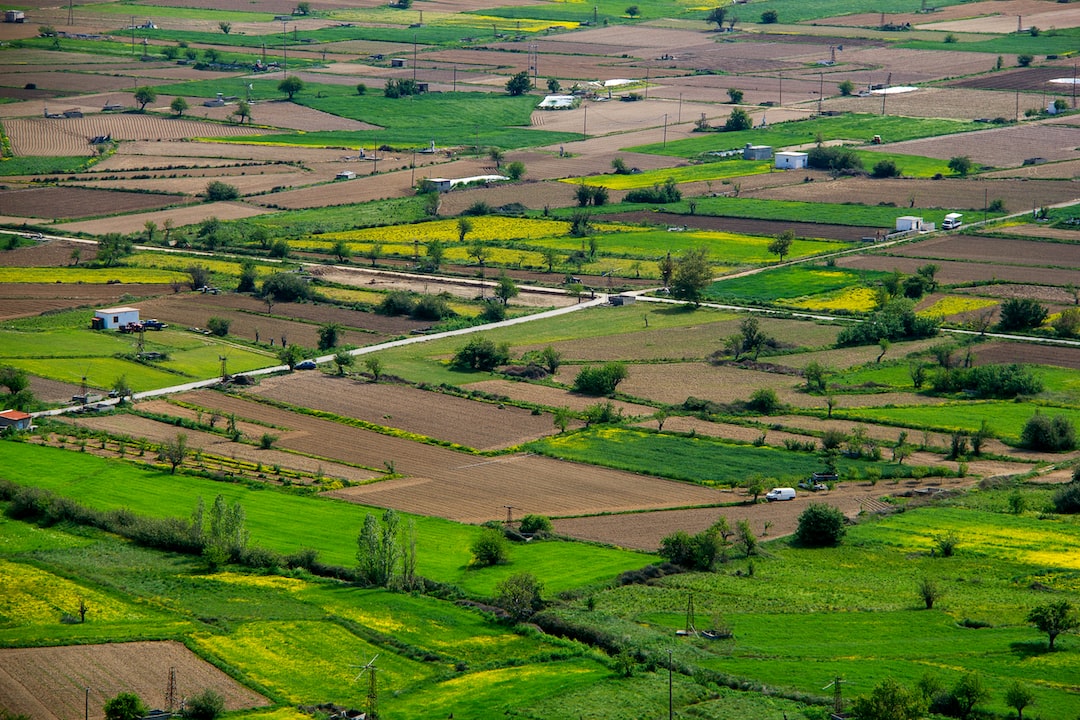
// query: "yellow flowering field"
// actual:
[[179, 263], [489, 228], [856, 299], [529, 25], [87, 275], [35, 597], [350, 295], [956, 304]]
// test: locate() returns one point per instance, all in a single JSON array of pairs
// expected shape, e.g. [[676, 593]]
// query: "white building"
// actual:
[[909, 222], [113, 318], [791, 160], [346, 175]]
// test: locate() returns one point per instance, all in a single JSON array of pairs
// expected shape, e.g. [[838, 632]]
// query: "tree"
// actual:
[[515, 170], [225, 26], [961, 165], [219, 326], [242, 111], [464, 227], [217, 191], [496, 154], [1042, 432], [341, 251], [968, 692], [619, 166], [666, 267], [480, 353], [820, 525], [124, 706], [343, 359], [144, 96], [206, 705], [121, 387], [1021, 314], [769, 17], [179, 106], [489, 548], [174, 451], [361, 89], [816, 376], [374, 366], [889, 700], [717, 15], [519, 595], [781, 244], [112, 247], [290, 86], [329, 335], [286, 287], [755, 486], [738, 120], [846, 88], [248, 275], [374, 252], [519, 84], [550, 359], [633, 11], [380, 549], [553, 85], [929, 592], [1054, 619], [1018, 696], [551, 256], [693, 274], [1024, 60], [506, 289], [1067, 322], [735, 96], [746, 538], [561, 417], [303, 7]]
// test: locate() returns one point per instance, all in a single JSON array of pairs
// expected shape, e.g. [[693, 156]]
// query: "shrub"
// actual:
[[489, 548], [662, 194], [1024, 60], [432, 307], [398, 302], [896, 321], [286, 287], [769, 17], [481, 354], [738, 120], [820, 525], [124, 706], [217, 191], [600, 380], [219, 326], [1021, 314], [519, 595], [535, 525], [1067, 499], [961, 165], [1054, 434], [206, 705], [885, 169], [847, 87], [764, 401], [833, 158]]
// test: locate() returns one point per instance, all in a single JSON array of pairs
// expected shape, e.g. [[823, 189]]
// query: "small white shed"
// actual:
[[909, 222], [113, 318], [346, 175], [791, 160], [757, 152]]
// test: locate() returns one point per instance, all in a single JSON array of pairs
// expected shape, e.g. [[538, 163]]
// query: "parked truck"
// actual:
[[952, 221]]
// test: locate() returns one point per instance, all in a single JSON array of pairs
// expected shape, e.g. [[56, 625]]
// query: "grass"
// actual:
[[909, 165], [1005, 419], [96, 276], [1050, 41], [791, 11], [38, 165], [855, 128], [287, 523], [692, 173], [702, 460], [791, 283]]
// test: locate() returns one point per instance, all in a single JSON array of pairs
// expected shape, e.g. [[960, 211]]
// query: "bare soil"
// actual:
[[1007, 146], [29, 299], [67, 203], [1016, 251], [954, 273], [479, 425], [750, 226], [48, 683]]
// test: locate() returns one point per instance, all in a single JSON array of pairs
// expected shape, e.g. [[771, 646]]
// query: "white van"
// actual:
[[780, 494], [952, 221]]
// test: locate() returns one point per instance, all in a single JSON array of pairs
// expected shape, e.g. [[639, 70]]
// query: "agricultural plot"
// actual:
[[996, 251], [479, 425], [56, 203], [43, 682]]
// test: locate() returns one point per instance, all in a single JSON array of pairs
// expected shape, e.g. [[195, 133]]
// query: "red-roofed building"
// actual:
[[14, 419]]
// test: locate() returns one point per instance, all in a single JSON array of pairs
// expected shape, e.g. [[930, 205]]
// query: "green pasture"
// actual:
[[301, 223], [159, 12], [40, 165], [856, 128], [805, 616], [910, 165], [1005, 419], [96, 276], [792, 11], [1051, 41], [722, 170], [428, 362], [287, 523], [790, 283], [604, 11], [697, 459]]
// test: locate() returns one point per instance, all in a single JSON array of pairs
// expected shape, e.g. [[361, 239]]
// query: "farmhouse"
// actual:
[[620, 300], [757, 152], [791, 160], [907, 223], [14, 419], [114, 318]]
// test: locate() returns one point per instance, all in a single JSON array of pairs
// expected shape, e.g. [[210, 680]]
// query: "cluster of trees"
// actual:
[[668, 192], [988, 381], [1050, 434], [481, 353], [17, 384], [896, 320], [401, 87], [600, 379], [205, 705], [835, 159], [420, 307], [386, 552], [590, 195], [749, 341]]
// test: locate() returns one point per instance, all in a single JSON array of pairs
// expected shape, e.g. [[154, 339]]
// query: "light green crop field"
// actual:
[[287, 522], [1006, 419]]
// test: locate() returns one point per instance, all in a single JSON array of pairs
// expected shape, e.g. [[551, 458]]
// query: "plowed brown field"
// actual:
[[460, 486], [67, 203], [480, 425], [49, 683], [1016, 251], [28, 299]]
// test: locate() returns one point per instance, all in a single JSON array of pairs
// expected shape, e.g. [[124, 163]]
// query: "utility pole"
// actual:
[[665, 130], [414, 57], [820, 90], [781, 89], [86, 709], [284, 50], [585, 124], [680, 109], [132, 34]]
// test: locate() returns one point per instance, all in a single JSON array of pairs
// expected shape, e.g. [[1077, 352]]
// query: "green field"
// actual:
[[692, 173], [790, 283], [287, 523], [1005, 419], [855, 128]]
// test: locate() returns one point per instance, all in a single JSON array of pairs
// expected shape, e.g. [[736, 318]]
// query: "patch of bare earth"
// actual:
[[553, 397], [29, 299], [188, 215], [49, 683], [480, 425], [952, 273], [68, 203], [1011, 251]]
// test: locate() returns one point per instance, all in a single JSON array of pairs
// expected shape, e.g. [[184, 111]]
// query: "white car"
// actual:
[[780, 494]]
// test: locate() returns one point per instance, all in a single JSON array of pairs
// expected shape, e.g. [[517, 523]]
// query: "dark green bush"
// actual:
[[600, 380], [1044, 433], [820, 525]]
